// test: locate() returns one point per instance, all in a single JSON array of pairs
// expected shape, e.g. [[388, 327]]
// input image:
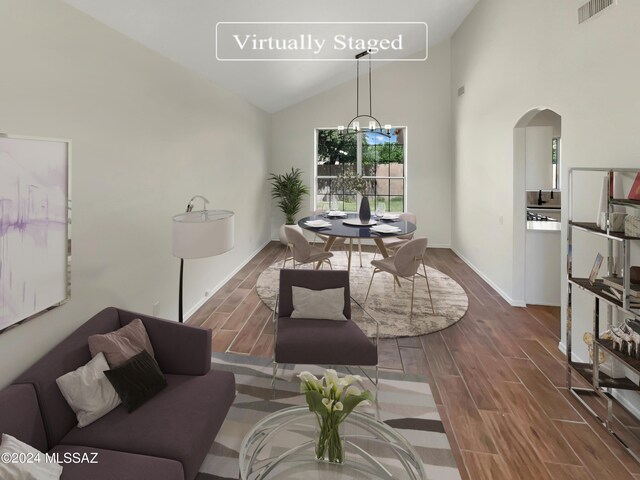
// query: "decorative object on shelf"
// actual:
[[634, 275], [626, 340], [369, 122], [616, 221], [634, 193], [289, 190], [632, 226], [603, 201], [332, 399], [355, 183], [588, 340], [35, 220], [595, 269], [205, 233]]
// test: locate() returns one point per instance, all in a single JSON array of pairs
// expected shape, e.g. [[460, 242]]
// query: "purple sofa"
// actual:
[[166, 438]]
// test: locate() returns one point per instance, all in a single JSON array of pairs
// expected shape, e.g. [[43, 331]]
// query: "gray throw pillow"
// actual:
[[325, 304]]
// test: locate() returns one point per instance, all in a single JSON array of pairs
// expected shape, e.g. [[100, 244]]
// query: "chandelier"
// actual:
[[363, 122]]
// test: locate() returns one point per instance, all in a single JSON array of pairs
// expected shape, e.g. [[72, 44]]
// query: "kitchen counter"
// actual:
[[544, 226]]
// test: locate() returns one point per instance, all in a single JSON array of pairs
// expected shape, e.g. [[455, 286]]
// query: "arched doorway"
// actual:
[[537, 199]]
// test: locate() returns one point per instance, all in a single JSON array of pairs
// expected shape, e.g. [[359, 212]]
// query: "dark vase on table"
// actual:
[[365, 210]]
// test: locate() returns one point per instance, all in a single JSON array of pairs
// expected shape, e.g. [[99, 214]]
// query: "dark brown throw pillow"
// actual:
[[137, 380]]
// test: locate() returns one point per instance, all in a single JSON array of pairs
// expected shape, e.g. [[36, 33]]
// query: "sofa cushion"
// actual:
[[20, 416], [20, 461], [179, 423], [114, 465], [121, 345], [88, 391], [71, 353], [324, 342], [137, 380]]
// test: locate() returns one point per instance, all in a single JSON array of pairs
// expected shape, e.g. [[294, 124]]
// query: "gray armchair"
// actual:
[[314, 341]]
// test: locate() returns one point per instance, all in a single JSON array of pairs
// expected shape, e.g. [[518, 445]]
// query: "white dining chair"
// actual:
[[339, 241], [405, 263], [301, 251], [393, 243]]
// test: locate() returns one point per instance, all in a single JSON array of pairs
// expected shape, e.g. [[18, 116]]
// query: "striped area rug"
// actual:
[[404, 402]]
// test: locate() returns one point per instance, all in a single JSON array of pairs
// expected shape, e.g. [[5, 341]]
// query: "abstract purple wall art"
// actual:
[[34, 226]]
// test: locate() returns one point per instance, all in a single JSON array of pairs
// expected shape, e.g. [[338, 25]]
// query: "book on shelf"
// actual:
[[617, 295], [616, 282]]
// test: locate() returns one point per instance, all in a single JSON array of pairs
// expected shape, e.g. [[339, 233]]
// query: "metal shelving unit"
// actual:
[[602, 384]]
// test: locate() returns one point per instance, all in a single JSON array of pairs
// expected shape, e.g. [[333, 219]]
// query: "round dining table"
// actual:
[[339, 228]]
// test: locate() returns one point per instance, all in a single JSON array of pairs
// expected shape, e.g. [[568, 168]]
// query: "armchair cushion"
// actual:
[[324, 342], [314, 280], [327, 304]]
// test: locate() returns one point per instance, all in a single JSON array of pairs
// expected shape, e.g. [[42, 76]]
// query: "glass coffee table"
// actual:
[[282, 446]]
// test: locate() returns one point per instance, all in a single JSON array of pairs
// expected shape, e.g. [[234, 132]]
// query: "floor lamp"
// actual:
[[200, 234]]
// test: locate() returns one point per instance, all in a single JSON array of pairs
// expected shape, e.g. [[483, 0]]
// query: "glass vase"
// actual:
[[330, 444]]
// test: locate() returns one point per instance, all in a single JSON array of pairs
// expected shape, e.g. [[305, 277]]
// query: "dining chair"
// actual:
[[405, 263], [301, 251], [393, 243], [339, 241], [319, 341]]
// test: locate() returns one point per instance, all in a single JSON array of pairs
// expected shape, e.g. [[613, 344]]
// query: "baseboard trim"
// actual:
[[619, 396], [502, 293], [220, 284]]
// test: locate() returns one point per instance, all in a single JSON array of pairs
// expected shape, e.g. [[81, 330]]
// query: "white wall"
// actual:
[[147, 135], [412, 94], [518, 55]]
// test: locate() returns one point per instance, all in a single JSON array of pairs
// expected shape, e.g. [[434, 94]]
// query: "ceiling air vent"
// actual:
[[592, 8]]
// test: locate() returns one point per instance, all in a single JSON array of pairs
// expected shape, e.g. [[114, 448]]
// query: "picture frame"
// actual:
[[35, 226], [595, 269]]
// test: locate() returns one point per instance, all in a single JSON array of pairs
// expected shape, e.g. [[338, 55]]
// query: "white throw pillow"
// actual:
[[325, 304], [88, 391], [20, 461]]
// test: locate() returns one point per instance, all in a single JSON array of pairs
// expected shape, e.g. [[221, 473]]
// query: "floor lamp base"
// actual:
[[180, 317]]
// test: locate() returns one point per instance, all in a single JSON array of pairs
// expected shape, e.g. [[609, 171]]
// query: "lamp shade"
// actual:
[[202, 234]]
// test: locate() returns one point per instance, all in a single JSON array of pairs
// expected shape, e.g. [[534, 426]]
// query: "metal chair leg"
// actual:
[[360, 251], [375, 270], [273, 380], [433, 310], [413, 288]]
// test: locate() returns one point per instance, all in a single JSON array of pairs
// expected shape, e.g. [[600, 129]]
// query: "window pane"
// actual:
[[381, 157], [397, 204]]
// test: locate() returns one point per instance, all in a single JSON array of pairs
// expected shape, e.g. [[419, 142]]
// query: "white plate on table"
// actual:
[[356, 222], [335, 213], [385, 229], [390, 216], [317, 223]]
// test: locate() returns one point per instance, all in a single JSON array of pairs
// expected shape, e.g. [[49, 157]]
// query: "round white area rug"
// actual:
[[391, 308]]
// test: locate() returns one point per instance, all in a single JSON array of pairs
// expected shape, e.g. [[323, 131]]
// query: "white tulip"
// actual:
[[352, 379], [307, 377], [331, 376], [353, 391]]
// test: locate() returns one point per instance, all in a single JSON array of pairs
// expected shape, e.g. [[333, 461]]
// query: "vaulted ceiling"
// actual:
[[184, 31]]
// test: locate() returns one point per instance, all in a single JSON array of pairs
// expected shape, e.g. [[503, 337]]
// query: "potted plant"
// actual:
[[356, 183], [289, 191]]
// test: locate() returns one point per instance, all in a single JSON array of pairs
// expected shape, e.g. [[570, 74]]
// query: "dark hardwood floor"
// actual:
[[497, 377]]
